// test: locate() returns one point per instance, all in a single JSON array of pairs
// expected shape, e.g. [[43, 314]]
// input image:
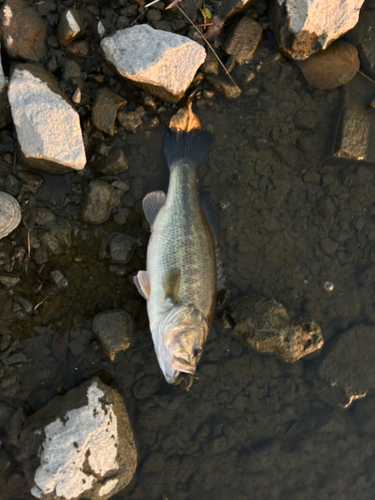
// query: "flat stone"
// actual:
[[363, 37], [100, 200], [356, 129], [113, 329], [311, 25], [162, 63], [39, 109], [243, 41], [70, 26], [10, 214], [266, 326], [79, 445], [350, 365], [104, 110], [23, 31]]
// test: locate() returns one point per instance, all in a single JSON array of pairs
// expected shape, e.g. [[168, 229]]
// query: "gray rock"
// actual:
[[243, 41], [79, 445], [301, 27], [104, 110], [115, 162], [162, 63], [23, 31], [223, 85], [131, 120], [357, 126], [72, 70], [113, 329], [350, 366], [266, 326], [121, 248], [39, 109], [100, 200], [70, 26], [56, 237], [9, 280], [10, 214], [78, 49]]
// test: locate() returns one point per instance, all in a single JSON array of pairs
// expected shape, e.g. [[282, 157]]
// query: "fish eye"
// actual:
[[197, 352]]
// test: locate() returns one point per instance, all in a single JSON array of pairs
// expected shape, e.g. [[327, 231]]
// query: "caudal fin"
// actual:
[[191, 146]]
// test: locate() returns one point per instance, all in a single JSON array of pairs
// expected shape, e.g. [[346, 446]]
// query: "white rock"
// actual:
[[163, 63], [85, 450], [319, 22], [48, 128]]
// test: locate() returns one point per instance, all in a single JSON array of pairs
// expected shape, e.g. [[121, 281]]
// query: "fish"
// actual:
[[181, 277]]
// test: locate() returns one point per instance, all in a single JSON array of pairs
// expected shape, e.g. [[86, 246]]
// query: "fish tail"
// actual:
[[191, 146]]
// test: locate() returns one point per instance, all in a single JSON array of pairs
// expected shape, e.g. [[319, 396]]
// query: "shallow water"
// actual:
[[290, 220]]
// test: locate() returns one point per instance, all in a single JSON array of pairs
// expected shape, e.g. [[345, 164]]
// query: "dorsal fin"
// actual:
[[151, 204], [171, 284], [142, 282]]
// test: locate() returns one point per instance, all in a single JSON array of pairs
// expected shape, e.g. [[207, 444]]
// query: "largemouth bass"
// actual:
[[180, 281]]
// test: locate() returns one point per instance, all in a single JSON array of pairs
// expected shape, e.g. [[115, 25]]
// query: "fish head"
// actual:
[[183, 331]]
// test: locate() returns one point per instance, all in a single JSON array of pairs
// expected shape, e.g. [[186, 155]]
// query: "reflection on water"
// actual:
[[293, 227]]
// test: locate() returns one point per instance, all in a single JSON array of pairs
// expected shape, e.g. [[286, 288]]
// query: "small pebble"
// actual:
[[329, 286]]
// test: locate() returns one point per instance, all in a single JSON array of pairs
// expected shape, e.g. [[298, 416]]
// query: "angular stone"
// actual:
[[113, 329], [162, 63], [131, 120], [100, 200], [224, 86], [350, 365], [23, 31], [104, 110], [363, 37], [266, 326], [115, 163], [243, 41], [356, 129], [39, 110], [310, 25], [79, 445], [70, 26]]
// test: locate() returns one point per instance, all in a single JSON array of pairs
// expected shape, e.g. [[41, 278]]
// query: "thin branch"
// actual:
[[207, 42]]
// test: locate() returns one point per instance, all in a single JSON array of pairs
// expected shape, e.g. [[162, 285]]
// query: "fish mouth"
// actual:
[[183, 366]]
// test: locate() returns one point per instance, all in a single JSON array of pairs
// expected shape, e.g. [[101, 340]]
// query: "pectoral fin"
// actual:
[[142, 282], [171, 284], [151, 204]]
